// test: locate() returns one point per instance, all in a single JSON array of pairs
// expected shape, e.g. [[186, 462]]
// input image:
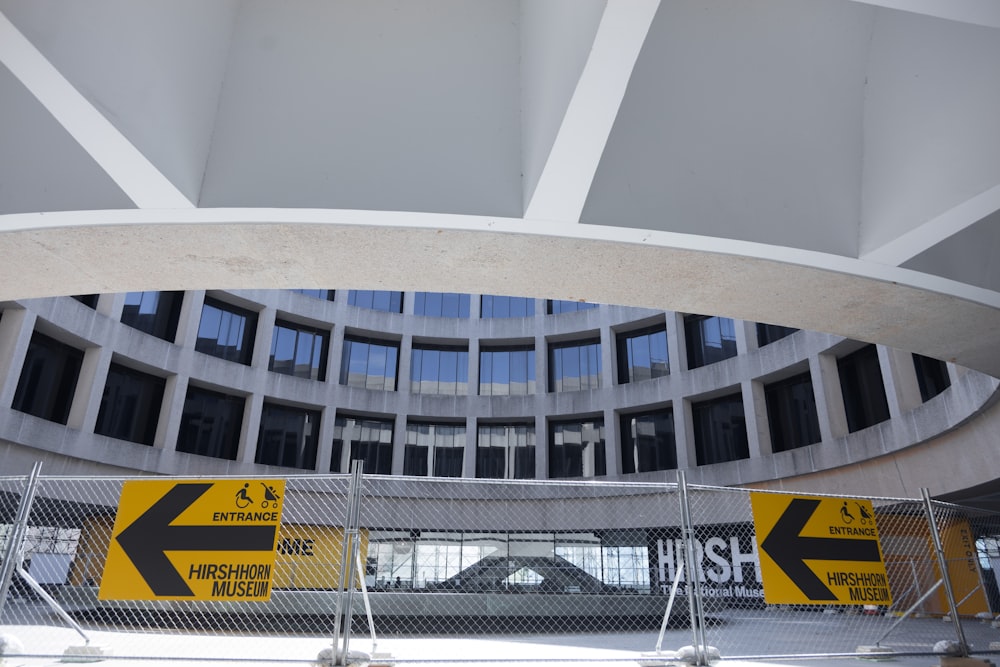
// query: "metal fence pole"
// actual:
[[348, 557], [693, 584], [943, 565], [12, 554]]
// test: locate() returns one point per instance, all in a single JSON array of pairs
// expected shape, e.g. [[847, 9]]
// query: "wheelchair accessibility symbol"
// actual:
[[271, 497]]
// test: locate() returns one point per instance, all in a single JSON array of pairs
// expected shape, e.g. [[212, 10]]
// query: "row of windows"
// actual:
[[227, 332], [211, 422]]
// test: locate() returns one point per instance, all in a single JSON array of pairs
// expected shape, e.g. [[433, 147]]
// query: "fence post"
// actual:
[[349, 554], [943, 565], [693, 583], [17, 534]]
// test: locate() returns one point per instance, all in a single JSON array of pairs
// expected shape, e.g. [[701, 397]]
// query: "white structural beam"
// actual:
[[907, 246], [569, 171], [141, 182], [979, 12]]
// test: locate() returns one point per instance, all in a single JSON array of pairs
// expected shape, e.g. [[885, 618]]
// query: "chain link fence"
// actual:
[[382, 561]]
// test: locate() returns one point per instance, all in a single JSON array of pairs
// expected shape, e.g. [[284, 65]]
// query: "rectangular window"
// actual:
[[557, 307], [439, 370], [299, 350], [155, 313], [709, 339], [322, 294], [642, 355], [505, 451], [648, 442], [369, 440], [434, 447], [768, 333], [507, 371], [89, 300], [48, 379], [226, 332], [575, 366], [720, 430], [576, 449], [130, 405], [369, 364], [440, 304], [791, 413], [390, 302], [288, 437], [211, 424], [932, 376], [507, 306], [862, 388]]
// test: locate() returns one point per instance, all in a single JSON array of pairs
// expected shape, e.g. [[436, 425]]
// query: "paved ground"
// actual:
[[749, 633]]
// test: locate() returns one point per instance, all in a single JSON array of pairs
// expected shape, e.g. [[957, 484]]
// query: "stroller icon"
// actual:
[[270, 496]]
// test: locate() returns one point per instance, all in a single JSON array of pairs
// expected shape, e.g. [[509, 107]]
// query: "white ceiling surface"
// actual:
[[829, 164]]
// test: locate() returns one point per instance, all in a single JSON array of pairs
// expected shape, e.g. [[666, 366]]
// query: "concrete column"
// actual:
[[746, 336], [755, 411], [16, 327], [612, 448], [324, 448], [899, 375], [398, 443], [607, 360], [89, 389], [336, 356], [190, 318], [473, 371], [469, 457], [541, 448], [174, 395], [829, 398], [111, 305], [676, 342], [261, 357], [252, 411], [687, 455], [405, 361]]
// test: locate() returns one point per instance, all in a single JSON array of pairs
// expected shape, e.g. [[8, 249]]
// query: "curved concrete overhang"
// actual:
[[115, 251]]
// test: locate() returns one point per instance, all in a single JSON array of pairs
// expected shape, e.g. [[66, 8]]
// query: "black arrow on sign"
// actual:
[[149, 536], [790, 550]]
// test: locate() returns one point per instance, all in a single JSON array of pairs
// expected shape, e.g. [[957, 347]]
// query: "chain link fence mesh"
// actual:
[[459, 558]]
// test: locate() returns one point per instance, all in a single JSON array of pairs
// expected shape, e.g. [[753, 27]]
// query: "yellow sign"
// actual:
[[193, 540], [817, 550]]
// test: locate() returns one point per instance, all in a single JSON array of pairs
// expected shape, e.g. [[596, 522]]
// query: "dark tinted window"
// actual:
[[369, 440], [299, 350], [557, 307], [434, 447], [156, 313], [642, 355], [648, 442], [324, 294], [390, 302], [576, 449], [89, 300], [370, 364], [441, 304], [507, 306], [720, 430], [288, 437], [439, 370], [226, 332], [791, 413], [575, 366], [709, 339], [768, 333], [862, 388], [130, 405], [505, 451], [932, 376], [48, 379], [210, 424]]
